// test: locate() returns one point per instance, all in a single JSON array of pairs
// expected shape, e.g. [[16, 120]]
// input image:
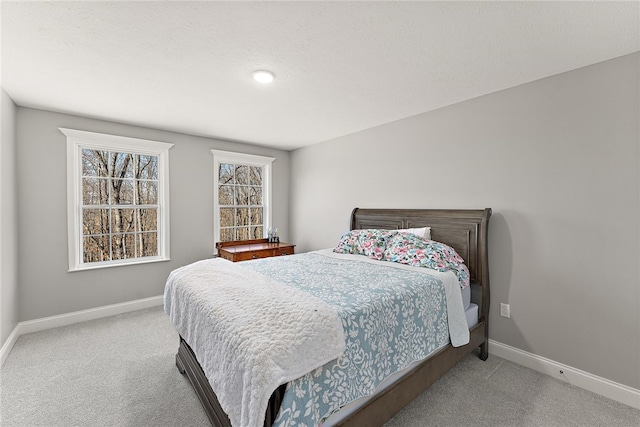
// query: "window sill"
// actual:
[[95, 266]]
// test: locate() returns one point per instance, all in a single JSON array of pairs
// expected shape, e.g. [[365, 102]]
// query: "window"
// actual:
[[117, 200], [242, 196]]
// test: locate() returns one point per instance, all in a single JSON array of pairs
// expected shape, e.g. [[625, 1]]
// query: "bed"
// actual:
[[463, 230]]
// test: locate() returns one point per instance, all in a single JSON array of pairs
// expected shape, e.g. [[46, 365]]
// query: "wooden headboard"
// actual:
[[464, 230]]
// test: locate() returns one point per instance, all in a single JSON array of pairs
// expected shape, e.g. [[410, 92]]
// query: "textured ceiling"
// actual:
[[340, 66]]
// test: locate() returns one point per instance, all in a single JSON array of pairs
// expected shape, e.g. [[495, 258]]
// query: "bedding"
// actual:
[[404, 246], [335, 419], [370, 243], [240, 322], [409, 249], [407, 314], [392, 315]]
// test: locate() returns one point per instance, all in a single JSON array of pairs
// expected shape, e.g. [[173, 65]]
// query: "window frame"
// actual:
[[267, 184], [77, 140]]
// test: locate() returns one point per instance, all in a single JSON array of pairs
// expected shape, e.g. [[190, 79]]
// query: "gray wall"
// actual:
[[46, 288], [8, 220], [558, 161]]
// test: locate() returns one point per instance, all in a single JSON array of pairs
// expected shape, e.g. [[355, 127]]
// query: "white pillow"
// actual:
[[423, 233]]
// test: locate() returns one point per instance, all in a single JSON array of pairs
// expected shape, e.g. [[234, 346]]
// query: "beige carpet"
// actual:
[[120, 371]]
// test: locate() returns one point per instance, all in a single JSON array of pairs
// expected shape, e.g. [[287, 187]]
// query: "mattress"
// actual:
[[471, 314], [466, 297]]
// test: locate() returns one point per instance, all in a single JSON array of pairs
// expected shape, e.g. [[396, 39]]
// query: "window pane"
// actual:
[[121, 165], [255, 195], [147, 192], [242, 175], [256, 216], [147, 244], [95, 191], [242, 233], [225, 174], [147, 219], [122, 191], [95, 221], [122, 220], [256, 232], [146, 167], [226, 217], [225, 195], [242, 216], [94, 163], [242, 195], [227, 234], [96, 248], [255, 175], [122, 246]]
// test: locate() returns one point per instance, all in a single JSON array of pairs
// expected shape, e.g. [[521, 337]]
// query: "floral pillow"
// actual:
[[409, 249], [348, 243], [374, 242], [368, 242]]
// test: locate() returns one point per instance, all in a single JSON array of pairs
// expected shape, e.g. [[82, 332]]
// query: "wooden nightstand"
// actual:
[[243, 250]]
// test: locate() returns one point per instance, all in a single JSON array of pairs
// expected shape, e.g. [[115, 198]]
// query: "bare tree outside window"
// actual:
[[119, 205]]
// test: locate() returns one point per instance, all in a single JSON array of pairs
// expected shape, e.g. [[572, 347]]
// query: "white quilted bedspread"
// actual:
[[249, 333]]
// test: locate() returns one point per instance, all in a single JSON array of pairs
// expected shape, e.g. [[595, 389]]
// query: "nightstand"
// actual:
[[243, 250]]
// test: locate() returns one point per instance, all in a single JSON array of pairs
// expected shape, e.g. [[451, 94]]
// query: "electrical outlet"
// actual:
[[562, 376], [505, 310]]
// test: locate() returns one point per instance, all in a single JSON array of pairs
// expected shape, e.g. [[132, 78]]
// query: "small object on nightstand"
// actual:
[[272, 236]]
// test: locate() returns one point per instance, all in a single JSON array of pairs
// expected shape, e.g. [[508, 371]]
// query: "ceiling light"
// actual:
[[263, 76]]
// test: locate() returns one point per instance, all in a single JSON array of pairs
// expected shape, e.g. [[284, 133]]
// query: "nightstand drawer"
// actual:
[[244, 256], [283, 251]]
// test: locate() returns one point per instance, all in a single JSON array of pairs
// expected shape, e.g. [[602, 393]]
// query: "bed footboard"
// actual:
[[188, 365]]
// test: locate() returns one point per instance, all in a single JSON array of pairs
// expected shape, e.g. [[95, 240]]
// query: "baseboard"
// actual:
[[602, 386], [8, 344], [36, 325]]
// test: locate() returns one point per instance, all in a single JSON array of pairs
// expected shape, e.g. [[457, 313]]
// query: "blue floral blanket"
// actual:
[[392, 315]]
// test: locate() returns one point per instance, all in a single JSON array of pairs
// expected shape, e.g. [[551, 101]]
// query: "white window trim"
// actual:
[[76, 141], [242, 159]]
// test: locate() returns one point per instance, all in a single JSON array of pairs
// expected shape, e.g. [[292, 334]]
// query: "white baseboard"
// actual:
[[36, 325], [8, 345], [602, 386]]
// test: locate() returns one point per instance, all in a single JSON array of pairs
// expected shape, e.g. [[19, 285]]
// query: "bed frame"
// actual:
[[465, 231]]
